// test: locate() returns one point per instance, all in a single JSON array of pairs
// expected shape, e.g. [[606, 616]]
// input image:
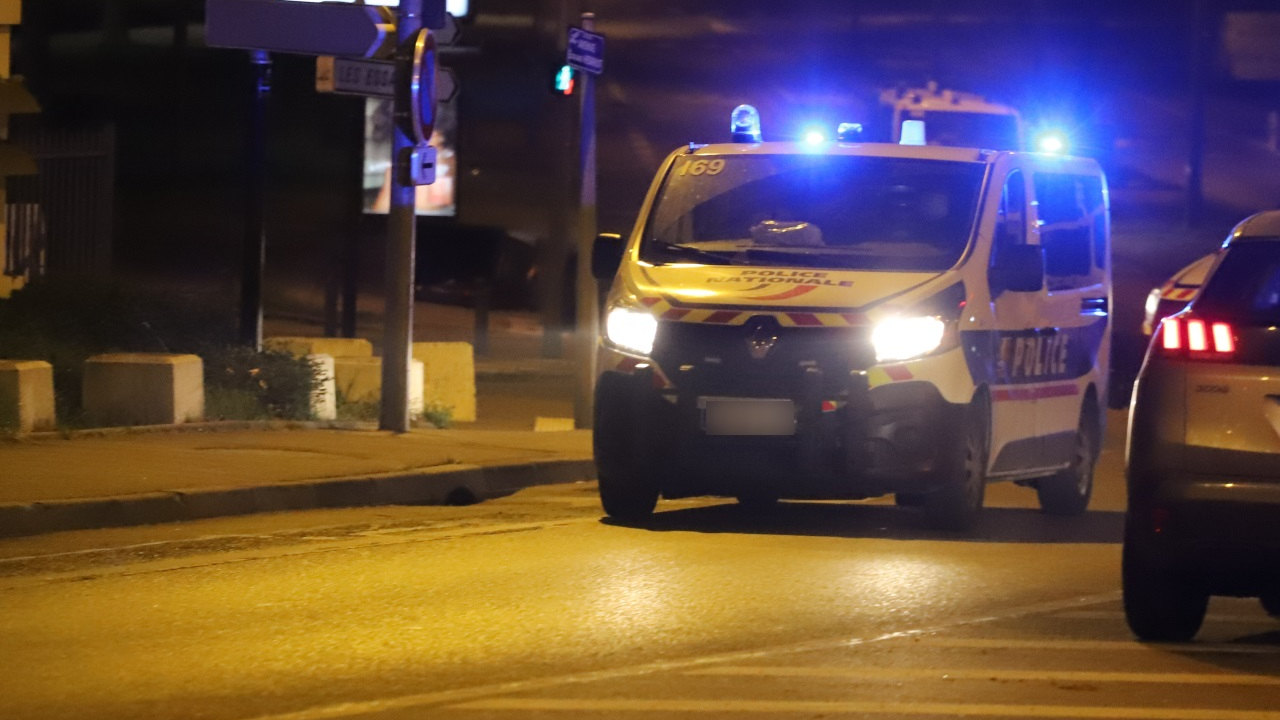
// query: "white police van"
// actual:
[[954, 118], [835, 320]]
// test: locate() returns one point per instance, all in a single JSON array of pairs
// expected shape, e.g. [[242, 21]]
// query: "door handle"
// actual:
[[1093, 306]]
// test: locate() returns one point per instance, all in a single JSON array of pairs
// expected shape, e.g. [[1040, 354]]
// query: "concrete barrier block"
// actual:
[[324, 401], [450, 377], [333, 347], [26, 396], [144, 389], [360, 380]]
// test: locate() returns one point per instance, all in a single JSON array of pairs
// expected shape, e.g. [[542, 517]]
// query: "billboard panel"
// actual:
[[437, 199]]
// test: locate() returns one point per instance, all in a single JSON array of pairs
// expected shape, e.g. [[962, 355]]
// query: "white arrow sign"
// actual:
[[303, 28]]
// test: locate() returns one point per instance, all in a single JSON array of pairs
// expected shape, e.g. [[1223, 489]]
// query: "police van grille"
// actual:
[[721, 358]]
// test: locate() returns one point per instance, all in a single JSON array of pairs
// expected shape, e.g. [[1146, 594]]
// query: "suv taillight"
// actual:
[[1197, 339]]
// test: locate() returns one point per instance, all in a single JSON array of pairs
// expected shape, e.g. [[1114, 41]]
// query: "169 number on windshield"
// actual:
[[701, 167]]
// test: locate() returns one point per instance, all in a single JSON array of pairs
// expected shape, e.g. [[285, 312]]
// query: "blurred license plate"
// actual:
[[748, 416]]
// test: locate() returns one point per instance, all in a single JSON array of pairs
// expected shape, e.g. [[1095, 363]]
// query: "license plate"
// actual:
[[748, 416]]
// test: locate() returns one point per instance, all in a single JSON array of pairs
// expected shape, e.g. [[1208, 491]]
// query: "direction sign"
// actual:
[[586, 51], [373, 78], [448, 32], [303, 28], [347, 76], [446, 85]]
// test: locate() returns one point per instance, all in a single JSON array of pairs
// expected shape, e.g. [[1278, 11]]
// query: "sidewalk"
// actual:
[[139, 477], [136, 476]]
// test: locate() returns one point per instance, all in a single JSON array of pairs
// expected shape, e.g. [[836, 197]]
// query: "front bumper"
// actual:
[[850, 442]]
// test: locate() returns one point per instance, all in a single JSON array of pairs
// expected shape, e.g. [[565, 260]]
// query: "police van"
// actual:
[[936, 116], [844, 320]]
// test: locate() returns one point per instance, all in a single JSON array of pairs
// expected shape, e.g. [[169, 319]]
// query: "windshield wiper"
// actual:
[[690, 252]]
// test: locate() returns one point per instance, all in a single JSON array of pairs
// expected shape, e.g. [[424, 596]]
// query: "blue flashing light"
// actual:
[[814, 136], [1053, 142], [564, 80], [744, 124], [848, 132]]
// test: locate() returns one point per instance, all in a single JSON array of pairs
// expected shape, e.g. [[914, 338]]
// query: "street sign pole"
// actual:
[[255, 233], [401, 221], [588, 296]]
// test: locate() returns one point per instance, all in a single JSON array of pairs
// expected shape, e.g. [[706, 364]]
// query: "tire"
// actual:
[[957, 505], [1068, 492], [1271, 603], [1159, 606], [628, 488]]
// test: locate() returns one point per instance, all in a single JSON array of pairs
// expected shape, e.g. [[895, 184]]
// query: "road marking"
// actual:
[[1097, 645], [1118, 615], [875, 674], [824, 707], [461, 695]]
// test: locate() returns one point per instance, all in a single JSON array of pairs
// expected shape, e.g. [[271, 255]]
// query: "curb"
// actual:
[[203, 426], [444, 485]]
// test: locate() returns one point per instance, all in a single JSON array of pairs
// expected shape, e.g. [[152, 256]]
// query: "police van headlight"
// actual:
[[904, 338], [631, 330]]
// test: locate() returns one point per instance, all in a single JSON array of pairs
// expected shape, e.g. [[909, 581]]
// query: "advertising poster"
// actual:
[[437, 199]]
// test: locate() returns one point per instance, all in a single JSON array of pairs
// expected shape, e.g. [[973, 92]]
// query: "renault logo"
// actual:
[[761, 339]]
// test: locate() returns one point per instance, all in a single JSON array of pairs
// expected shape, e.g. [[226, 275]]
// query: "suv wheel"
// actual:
[[958, 503], [1159, 605], [1068, 491], [628, 489]]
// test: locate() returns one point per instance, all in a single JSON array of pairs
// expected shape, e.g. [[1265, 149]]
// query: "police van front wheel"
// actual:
[[628, 488], [957, 504], [1068, 491]]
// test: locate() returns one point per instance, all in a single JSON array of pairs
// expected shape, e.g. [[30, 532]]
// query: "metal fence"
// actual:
[[63, 215], [24, 230]]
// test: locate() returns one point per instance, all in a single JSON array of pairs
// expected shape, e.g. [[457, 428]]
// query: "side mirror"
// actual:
[[1018, 268], [606, 255]]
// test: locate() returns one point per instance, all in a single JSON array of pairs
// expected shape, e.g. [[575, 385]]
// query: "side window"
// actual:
[[1092, 189], [1011, 226], [1072, 228]]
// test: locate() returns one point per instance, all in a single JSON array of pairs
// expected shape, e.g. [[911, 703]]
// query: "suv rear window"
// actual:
[[1246, 285]]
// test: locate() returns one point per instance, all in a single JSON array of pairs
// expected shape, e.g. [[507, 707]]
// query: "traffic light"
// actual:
[[564, 80]]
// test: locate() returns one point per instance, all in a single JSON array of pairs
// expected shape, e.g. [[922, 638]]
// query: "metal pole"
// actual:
[[484, 302], [351, 238], [588, 312], [255, 231], [397, 342]]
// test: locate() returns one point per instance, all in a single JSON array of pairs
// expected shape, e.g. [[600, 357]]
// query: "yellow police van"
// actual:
[[844, 320]]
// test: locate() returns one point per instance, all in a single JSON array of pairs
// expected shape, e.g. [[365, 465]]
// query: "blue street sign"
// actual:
[[304, 28], [586, 51]]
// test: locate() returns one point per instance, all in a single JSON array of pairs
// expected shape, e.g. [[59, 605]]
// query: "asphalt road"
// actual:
[[533, 606]]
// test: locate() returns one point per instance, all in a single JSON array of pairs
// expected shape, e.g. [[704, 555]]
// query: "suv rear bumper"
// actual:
[[1223, 533]]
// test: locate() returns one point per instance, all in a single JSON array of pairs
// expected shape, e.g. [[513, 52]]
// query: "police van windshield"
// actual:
[[971, 129], [823, 211]]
